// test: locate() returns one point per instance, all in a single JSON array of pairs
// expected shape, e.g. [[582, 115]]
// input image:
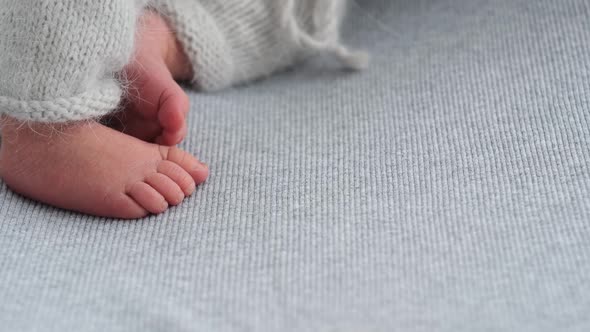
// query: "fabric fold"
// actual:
[[236, 41]]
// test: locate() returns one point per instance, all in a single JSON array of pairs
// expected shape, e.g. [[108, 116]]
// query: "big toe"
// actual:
[[198, 170], [158, 98], [173, 108]]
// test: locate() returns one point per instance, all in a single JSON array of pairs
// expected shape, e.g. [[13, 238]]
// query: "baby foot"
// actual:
[[93, 169], [156, 105]]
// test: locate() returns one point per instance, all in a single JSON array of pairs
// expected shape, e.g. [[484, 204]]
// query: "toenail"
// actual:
[[191, 189], [201, 166]]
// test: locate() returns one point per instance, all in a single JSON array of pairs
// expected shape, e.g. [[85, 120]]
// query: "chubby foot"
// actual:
[[90, 168], [156, 106]]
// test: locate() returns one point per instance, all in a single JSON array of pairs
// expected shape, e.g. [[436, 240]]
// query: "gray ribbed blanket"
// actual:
[[447, 188]]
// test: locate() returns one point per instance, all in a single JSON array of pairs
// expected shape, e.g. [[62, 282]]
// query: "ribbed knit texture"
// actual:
[[58, 58], [446, 188]]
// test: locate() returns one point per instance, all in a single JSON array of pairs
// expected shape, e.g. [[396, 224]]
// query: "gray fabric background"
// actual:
[[447, 188]]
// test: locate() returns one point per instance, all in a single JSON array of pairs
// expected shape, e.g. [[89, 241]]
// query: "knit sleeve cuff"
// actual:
[[59, 59], [91, 104]]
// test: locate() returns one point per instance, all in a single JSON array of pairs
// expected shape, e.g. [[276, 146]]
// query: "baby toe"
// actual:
[[197, 170], [171, 138], [148, 197], [166, 187], [173, 107], [177, 174], [124, 207]]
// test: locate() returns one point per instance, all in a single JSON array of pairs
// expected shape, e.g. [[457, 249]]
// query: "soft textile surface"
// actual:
[[447, 188]]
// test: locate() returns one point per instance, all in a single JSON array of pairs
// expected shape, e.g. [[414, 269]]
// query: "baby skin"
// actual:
[[94, 169], [156, 106]]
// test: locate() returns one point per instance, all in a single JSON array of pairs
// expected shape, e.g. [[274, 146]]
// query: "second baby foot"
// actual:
[[156, 106]]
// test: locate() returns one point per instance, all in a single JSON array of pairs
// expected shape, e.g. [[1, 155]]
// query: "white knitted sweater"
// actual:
[[59, 59]]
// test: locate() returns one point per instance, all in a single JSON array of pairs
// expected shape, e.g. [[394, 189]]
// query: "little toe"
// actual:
[[177, 174], [148, 197], [124, 207], [166, 187], [197, 170]]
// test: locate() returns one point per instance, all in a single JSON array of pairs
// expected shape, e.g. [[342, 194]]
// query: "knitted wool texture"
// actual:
[[59, 58], [236, 41]]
